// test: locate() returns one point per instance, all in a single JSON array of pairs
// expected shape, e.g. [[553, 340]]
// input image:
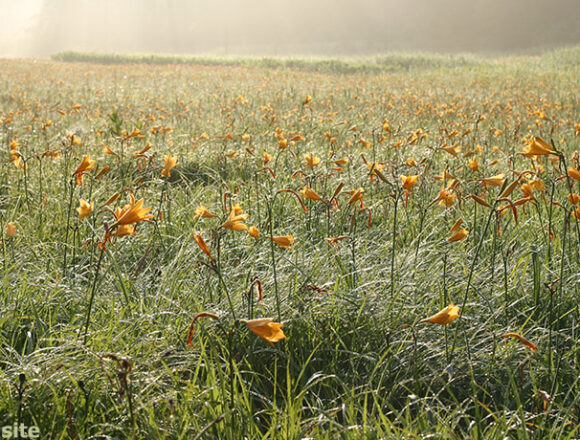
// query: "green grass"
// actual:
[[371, 64], [356, 362]]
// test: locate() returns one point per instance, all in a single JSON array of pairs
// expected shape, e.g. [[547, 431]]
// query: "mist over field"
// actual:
[[285, 27]]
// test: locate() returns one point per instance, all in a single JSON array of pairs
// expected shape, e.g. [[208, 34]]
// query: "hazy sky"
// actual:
[[284, 27]]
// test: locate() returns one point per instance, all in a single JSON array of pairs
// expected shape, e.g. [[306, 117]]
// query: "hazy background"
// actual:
[[285, 27]]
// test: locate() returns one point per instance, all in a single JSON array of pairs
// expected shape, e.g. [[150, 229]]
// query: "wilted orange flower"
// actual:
[[410, 162], [333, 241], [307, 99], [444, 175], [253, 231], [494, 180], [86, 165], [311, 160], [10, 229], [84, 208], [202, 244], [538, 147], [309, 193], [134, 212], [409, 181], [142, 152], [170, 163], [202, 212], [267, 329], [342, 161], [521, 339], [445, 316], [284, 241]]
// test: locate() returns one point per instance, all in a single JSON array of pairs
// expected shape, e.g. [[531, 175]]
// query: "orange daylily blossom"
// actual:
[[309, 193], [574, 198], [16, 159], [266, 329], [170, 163], [457, 234], [527, 191], [10, 229], [574, 173], [253, 232], [473, 164], [202, 212], [311, 160], [124, 230], [445, 316], [284, 241], [235, 220], [521, 339], [202, 244], [446, 197], [342, 161], [409, 181], [86, 165], [266, 157], [356, 195], [84, 208], [107, 150], [538, 147], [134, 212], [411, 162]]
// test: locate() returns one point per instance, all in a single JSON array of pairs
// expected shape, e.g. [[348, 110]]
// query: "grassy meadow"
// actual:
[[154, 213]]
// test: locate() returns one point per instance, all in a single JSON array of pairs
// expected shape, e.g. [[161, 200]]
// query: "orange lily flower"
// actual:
[[445, 316], [84, 209], [202, 212], [134, 212], [234, 221], [309, 193], [170, 163], [284, 241], [311, 160], [409, 181], [266, 329], [86, 165], [574, 173], [538, 147]]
